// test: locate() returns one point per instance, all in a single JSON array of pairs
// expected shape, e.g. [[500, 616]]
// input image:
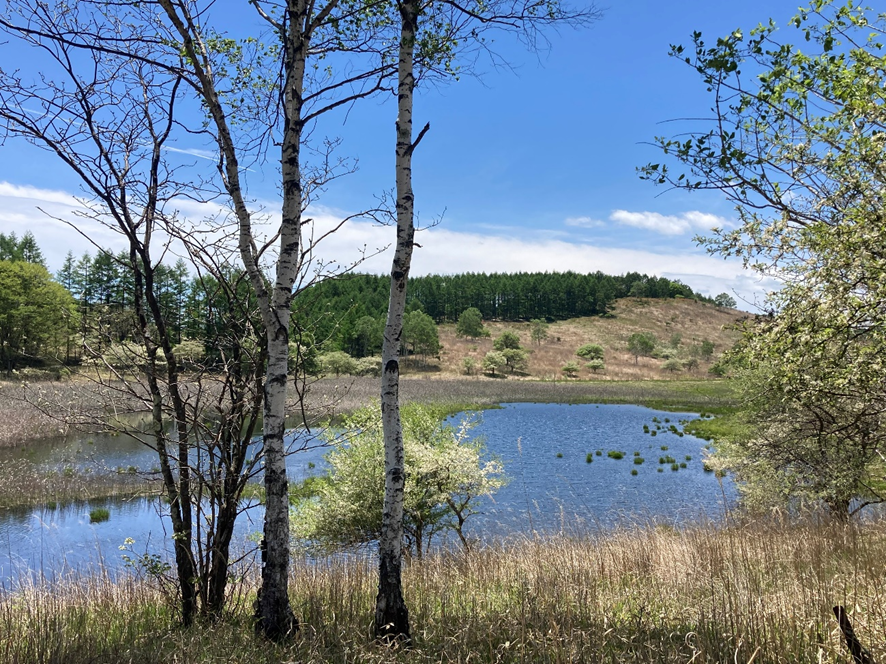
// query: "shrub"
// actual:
[[337, 362], [493, 361], [596, 365], [633, 471], [590, 352], [506, 340], [189, 352], [615, 454], [571, 369], [469, 364], [672, 366], [589, 458], [445, 475], [639, 460]]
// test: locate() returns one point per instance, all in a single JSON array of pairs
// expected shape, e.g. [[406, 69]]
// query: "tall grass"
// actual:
[[753, 592], [24, 484]]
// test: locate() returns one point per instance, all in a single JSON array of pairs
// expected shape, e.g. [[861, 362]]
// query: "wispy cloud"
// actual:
[[441, 251], [670, 224], [8, 190], [584, 222], [195, 152]]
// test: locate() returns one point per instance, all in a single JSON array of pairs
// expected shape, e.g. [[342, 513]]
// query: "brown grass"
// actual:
[[347, 393], [694, 321], [758, 592], [25, 484]]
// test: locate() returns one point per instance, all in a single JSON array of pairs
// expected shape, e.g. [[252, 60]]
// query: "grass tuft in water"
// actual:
[[99, 515]]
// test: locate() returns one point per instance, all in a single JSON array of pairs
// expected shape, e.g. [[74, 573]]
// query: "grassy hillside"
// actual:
[[693, 321]]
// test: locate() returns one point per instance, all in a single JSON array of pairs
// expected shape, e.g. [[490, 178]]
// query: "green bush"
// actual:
[[446, 474], [590, 352], [615, 454]]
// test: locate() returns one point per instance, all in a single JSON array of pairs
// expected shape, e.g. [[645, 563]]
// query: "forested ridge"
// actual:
[[332, 308], [334, 314]]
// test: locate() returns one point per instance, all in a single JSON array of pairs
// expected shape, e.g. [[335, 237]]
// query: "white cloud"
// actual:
[[670, 224], [38, 196], [442, 251], [584, 222]]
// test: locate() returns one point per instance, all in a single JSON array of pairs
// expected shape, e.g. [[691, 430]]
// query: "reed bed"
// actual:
[[347, 393], [24, 484], [756, 592]]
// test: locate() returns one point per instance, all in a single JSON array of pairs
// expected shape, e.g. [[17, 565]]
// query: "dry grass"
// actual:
[[25, 484], [694, 321], [346, 393], [760, 593]]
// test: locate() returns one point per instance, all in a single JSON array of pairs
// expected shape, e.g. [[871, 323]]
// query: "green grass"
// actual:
[[728, 425], [99, 515], [650, 596]]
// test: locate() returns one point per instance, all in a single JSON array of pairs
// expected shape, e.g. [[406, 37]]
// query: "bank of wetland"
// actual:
[[760, 592]]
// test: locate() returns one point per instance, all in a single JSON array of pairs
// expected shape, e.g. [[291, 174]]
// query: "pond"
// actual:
[[544, 449]]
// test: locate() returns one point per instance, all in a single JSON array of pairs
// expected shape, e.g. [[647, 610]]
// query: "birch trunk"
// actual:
[[391, 614], [273, 613]]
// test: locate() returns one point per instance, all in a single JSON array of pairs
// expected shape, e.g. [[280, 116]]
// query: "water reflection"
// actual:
[[544, 449]]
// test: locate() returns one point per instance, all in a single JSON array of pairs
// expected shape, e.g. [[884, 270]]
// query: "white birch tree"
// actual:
[[303, 30], [431, 32]]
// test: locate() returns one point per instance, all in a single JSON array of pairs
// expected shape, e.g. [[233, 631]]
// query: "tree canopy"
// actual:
[[797, 145], [447, 473], [36, 314]]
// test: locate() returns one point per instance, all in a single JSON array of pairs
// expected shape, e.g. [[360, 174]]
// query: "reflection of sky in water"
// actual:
[[545, 493]]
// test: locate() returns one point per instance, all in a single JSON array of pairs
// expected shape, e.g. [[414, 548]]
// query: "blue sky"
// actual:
[[532, 168]]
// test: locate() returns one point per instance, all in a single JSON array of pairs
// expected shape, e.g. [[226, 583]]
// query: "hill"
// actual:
[[679, 325]]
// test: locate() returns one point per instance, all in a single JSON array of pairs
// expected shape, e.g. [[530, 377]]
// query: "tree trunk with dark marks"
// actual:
[[391, 614]]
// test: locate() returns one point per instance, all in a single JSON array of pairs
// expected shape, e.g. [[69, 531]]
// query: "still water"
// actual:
[[543, 447]]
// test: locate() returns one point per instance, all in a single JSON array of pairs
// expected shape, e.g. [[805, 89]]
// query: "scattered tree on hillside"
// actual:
[[571, 369], [641, 344], [506, 340], [420, 334], [470, 324], [494, 361], [367, 336], [590, 352], [706, 349], [596, 365], [538, 330], [725, 300], [516, 359], [798, 149], [672, 366]]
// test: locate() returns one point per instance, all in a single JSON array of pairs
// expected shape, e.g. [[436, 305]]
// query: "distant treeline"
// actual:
[[346, 313], [333, 307]]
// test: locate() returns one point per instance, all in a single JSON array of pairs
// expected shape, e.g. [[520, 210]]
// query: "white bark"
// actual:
[[391, 614]]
